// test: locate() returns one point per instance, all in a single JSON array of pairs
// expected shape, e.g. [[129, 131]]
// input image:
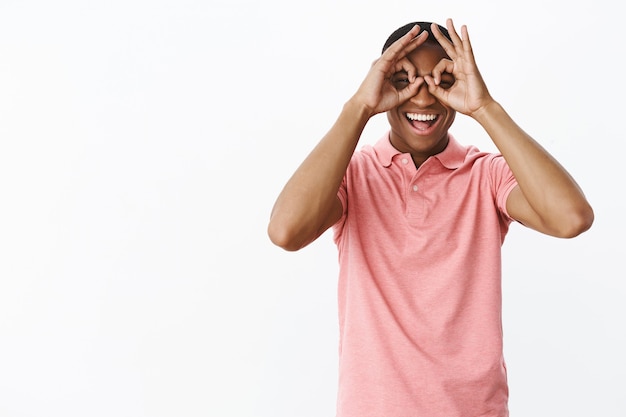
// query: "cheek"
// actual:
[[451, 116], [394, 118]]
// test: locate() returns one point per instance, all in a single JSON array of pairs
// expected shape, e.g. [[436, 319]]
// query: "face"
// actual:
[[420, 125]]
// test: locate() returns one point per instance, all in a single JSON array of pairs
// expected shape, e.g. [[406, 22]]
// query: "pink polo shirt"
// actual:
[[420, 284]]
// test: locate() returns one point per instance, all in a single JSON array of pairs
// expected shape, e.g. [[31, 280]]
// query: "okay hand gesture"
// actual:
[[469, 93], [377, 91]]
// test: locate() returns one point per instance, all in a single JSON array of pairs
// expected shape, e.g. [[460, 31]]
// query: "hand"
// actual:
[[377, 92], [469, 93]]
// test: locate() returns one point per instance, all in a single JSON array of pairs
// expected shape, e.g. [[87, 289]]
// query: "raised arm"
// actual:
[[547, 198], [308, 204]]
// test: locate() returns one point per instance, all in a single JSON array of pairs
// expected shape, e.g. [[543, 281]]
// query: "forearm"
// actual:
[[302, 210], [547, 187]]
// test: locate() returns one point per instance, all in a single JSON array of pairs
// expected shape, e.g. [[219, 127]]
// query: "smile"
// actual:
[[421, 117]]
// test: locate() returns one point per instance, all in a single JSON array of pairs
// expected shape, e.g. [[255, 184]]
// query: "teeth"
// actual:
[[421, 117]]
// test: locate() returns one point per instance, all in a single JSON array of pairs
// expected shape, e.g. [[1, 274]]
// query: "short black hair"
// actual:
[[424, 26]]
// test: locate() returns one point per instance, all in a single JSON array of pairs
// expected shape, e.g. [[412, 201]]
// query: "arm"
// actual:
[[546, 198], [308, 204]]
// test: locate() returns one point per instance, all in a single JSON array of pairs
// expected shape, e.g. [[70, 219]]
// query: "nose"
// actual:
[[423, 98]]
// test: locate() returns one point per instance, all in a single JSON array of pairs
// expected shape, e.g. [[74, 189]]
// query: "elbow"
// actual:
[[284, 237], [578, 222]]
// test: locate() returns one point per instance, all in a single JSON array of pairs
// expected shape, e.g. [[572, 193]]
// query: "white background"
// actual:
[[142, 145]]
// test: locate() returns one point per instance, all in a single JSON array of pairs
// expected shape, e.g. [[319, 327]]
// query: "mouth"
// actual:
[[420, 121]]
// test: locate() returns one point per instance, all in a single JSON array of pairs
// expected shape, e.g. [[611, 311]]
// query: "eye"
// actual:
[[447, 81], [400, 80]]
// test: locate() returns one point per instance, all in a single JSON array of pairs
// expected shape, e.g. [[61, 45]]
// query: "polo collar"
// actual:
[[451, 157]]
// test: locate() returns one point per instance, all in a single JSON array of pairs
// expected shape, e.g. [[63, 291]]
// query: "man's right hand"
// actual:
[[377, 92]]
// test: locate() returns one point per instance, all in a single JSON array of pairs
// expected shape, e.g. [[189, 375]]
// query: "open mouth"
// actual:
[[421, 121]]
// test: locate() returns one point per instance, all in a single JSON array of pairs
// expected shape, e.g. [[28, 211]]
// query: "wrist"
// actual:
[[487, 112], [358, 110]]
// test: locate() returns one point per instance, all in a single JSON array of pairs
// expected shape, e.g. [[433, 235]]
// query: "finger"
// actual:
[[462, 42], [467, 44], [403, 46], [454, 48], [410, 90], [407, 66], [441, 38], [445, 65], [456, 39], [433, 87]]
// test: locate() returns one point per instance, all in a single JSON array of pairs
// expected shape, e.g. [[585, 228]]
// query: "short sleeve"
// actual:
[[342, 195], [503, 183]]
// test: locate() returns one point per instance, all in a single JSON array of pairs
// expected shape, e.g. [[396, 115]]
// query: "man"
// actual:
[[419, 221]]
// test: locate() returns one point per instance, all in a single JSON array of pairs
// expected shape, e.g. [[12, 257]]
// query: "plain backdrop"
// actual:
[[142, 145]]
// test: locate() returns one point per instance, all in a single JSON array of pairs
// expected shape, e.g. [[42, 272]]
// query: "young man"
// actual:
[[419, 221]]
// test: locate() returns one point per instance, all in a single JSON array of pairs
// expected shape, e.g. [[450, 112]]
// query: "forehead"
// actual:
[[426, 56]]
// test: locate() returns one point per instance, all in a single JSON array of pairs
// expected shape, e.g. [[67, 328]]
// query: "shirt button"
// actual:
[[415, 188], [405, 161]]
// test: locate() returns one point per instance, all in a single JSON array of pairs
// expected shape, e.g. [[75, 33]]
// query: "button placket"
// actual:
[[413, 190]]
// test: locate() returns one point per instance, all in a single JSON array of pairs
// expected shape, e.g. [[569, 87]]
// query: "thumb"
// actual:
[[410, 90], [434, 88]]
